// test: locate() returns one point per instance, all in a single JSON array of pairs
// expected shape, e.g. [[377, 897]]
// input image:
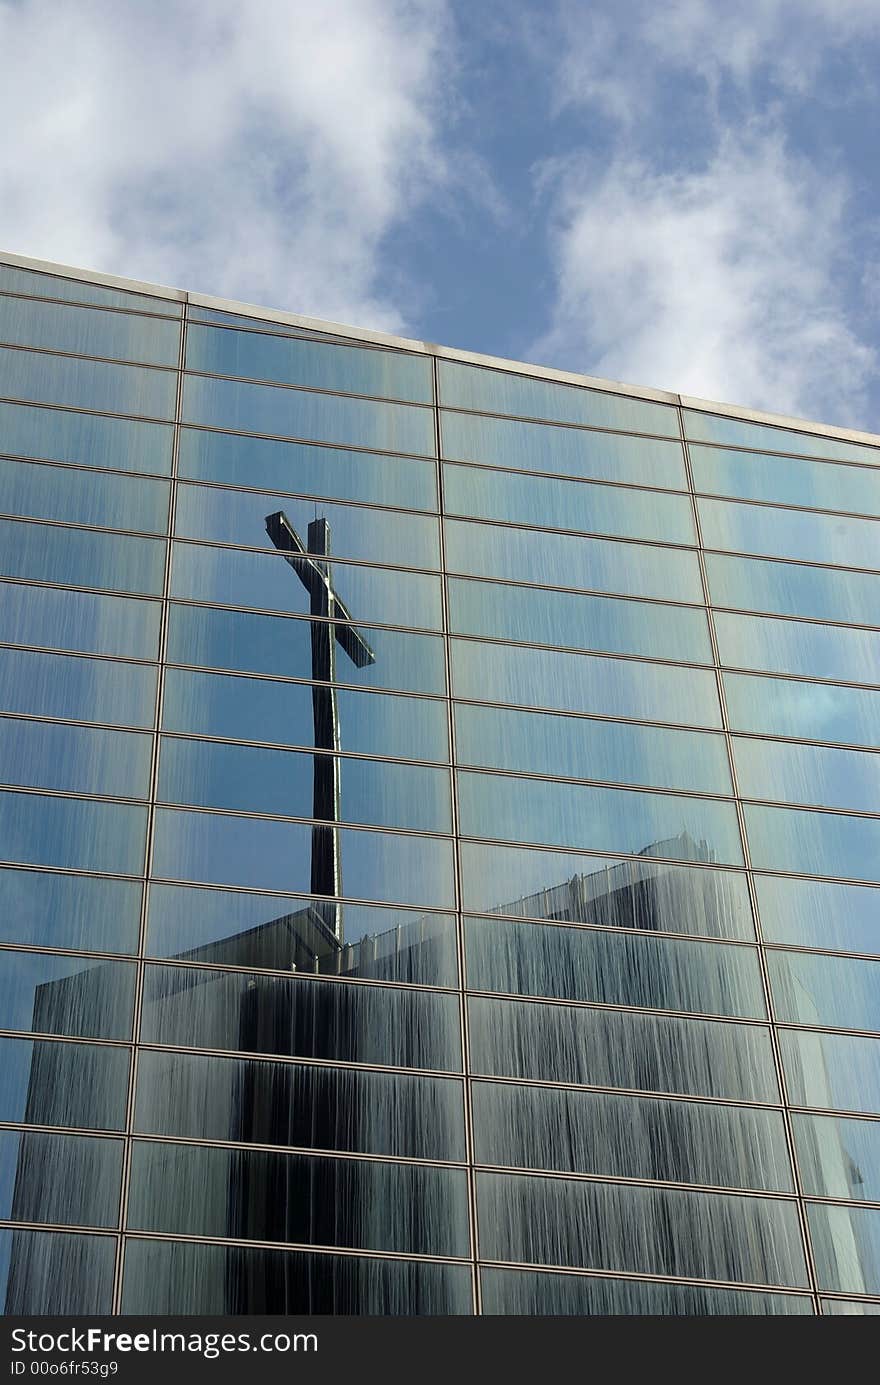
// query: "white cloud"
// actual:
[[258, 149]]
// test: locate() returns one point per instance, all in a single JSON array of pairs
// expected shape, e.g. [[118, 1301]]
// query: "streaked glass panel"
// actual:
[[838, 1158], [614, 1048], [646, 894], [75, 759], [808, 774], [565, 451], [809, 711], [167, 1277], [523, 1293], [48, 1082], [505, 495], [284, 1016], [502, 392], [81, 557], [57, 685], [266, 581], [540, 616], [567, 560], [790, 533], [835, 992], [793, 589], [538, 810], [577, 748], [50, 1272], [372, 536], [583, 683], [792, 646], [81, 384], [288, 466], [786, 480], [194, 1096], [70, 1180], [47, 994], [235, 929], [846, 1248], [816, 913], [79, 621], [630, 1137], [550, 960], [267, 855], [14, 280], [848, 1307], [734, 432], [55, 435], [812, 842], [76, 911], [295, 413], [71, 832], [89, 332], [317, 365], [552, 1221], [837, 1072], [83, 497], [282, 648], [185, 1189]]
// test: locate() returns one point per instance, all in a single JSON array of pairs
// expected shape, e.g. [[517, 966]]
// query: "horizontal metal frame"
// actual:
[[148, 311]]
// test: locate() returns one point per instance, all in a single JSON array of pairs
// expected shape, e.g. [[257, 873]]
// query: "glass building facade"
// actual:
[[439, 830]]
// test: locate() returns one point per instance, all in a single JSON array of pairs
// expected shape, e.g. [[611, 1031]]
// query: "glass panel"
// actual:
[[70, 1180], [808, 774], [630, 1137], [290, 783], [567, 560], [653, 1230], [294, 413], [506, 495], [790, 533], [287, 466], [814, 913], [734, 432], [791, 646], [818, 843], [373, 536], [53, 685], [611, 1048], [290, 1104], [792, 589], [586, 622], [750, 476], [536, 810], [164, 1277], [575, 747], [809, 711], [520, 1293], [848, 1307], [613, 968], [74, 759], [69, 911], [500, 392], [266, 855], [846, 1247], [88, 439], [297, 1198], [318, 365], [265, 580], [283, 648], [260, 710], [565, 451], [54, 1083], [83, 497], [837, 992], [15, 280], [278, 1015], [81, 557], [270, 931], [89, 332], [582, 683], [47, 1272], [66, 995], [79, 620], [81, 384], [838, 1158], [832, 1071], [645, 894], [72, 833]]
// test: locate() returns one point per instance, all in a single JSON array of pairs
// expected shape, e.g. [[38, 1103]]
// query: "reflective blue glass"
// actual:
[[808, 774], [792, 589], [88, 331], [83, 497], [82, 384], [76, 911], [314, 364], [838, 1158], [70, 1180], [786, 480], [69, 832], [835, 992], [74, 759], [15, 280], [793, 646], [812, 842], [846, 1245], [52, 1272], [837, 1072], [734, 432], [295, 413], [58, 685], [88, 439], [48, 1082], [79, 621], [790, 533], [808, 711], [816, 913], [48, 994], [525, 1293], [81, 557], [295, 467]]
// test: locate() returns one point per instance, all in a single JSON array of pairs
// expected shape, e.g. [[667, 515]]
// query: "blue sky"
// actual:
[[682, 195]]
